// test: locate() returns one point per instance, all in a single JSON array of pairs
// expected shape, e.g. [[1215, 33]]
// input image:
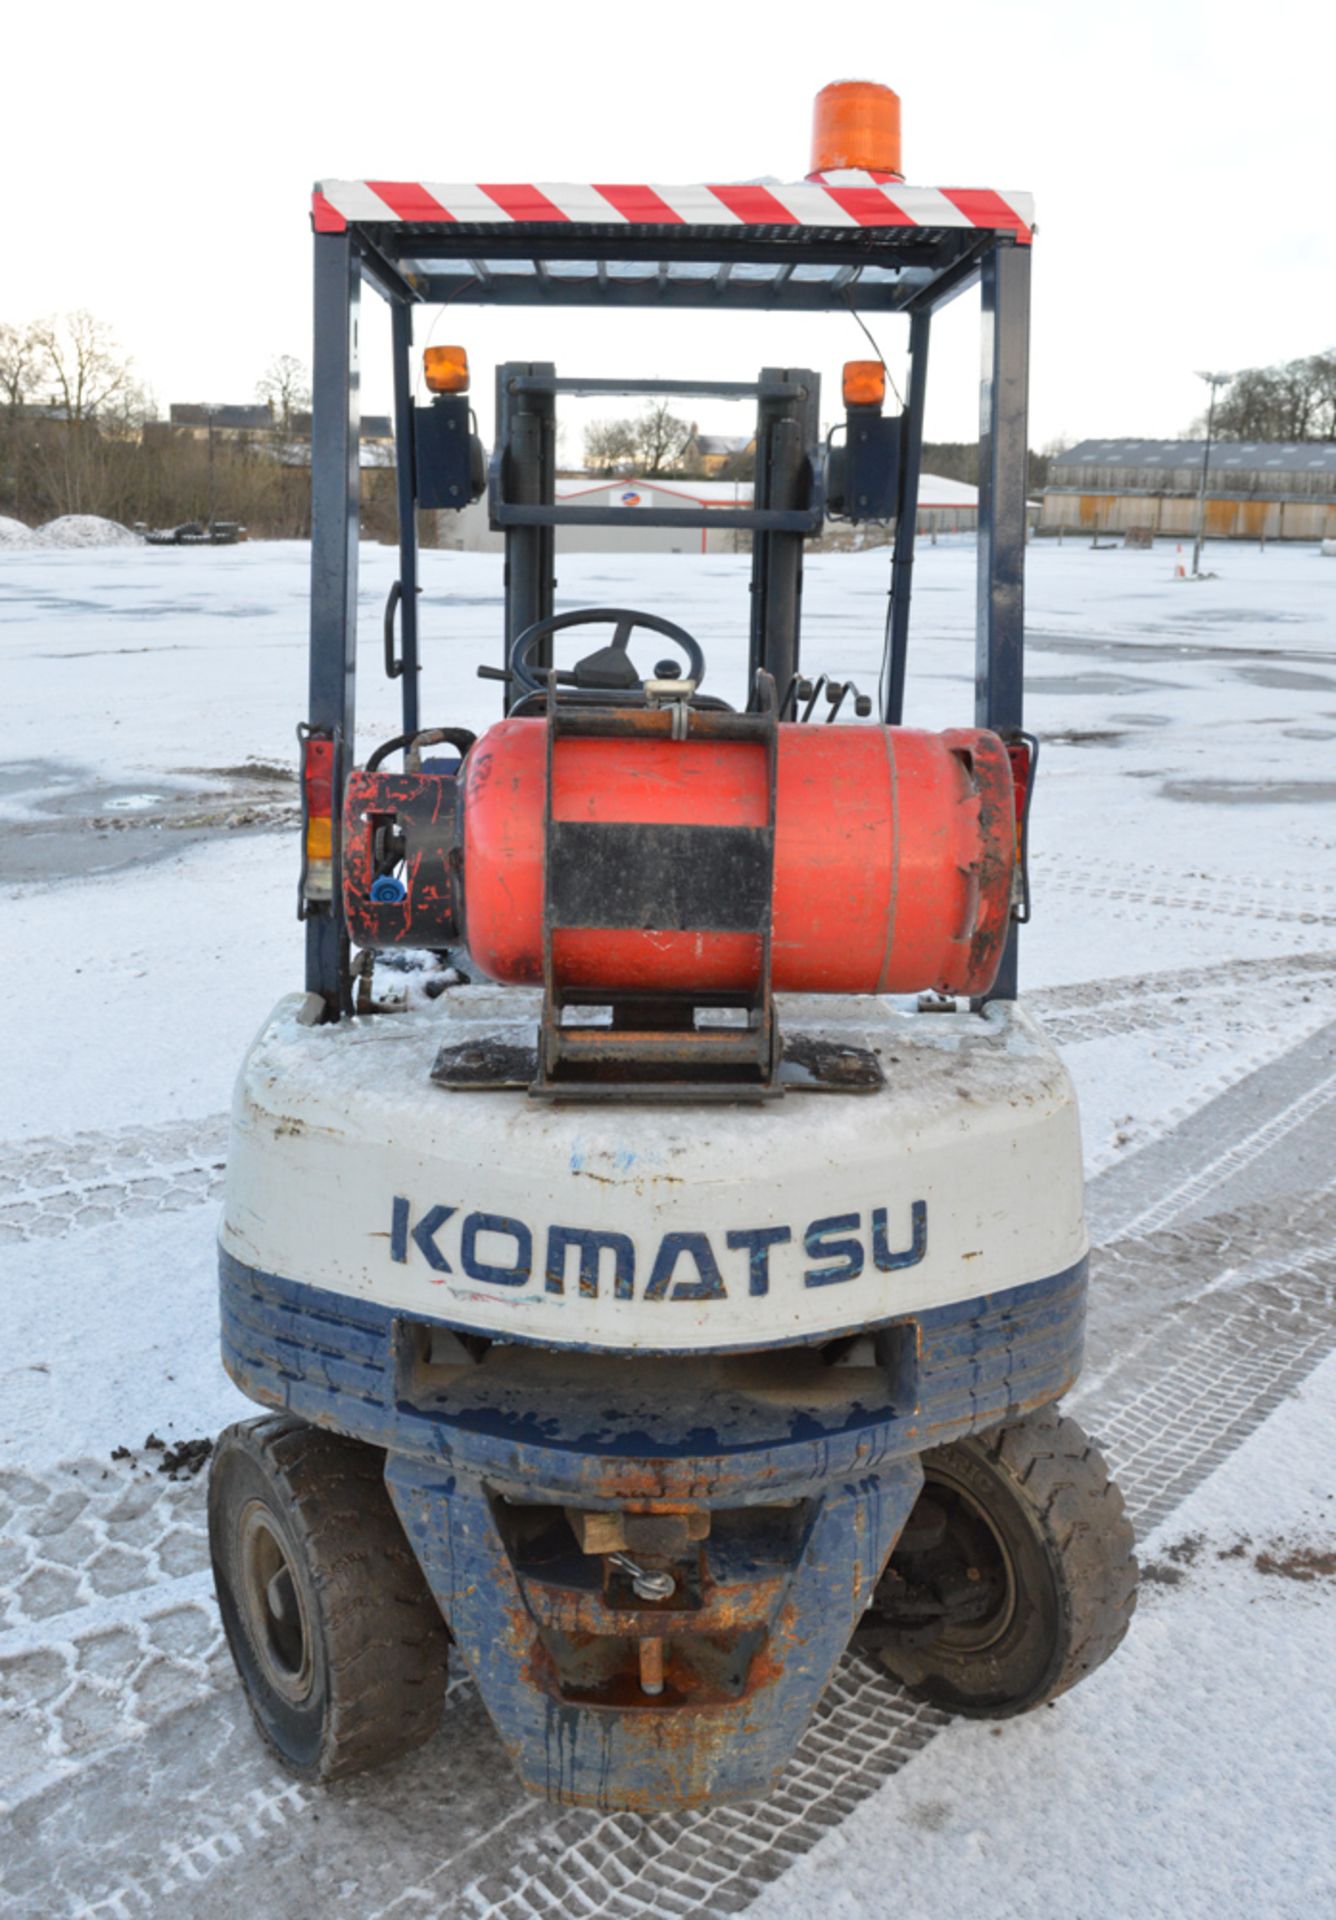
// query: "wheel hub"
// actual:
[[951, 1582], [274, 1608], [972, 1571]]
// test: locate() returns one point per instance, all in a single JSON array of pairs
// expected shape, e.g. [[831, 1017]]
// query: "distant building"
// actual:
[[377, 428], [196, 419], [256, 423], [710, 453], [375, 445], [945, 506], [629, 495], [1255, 489]]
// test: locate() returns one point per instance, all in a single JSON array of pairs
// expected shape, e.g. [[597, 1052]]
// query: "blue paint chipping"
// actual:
[[424, 1236], [709, 1283], [591, 1242], [757, 1242], [517, 1273], [805, 1499], [882, 1258], [726, 1737], [399, 1230], [832, 1239]]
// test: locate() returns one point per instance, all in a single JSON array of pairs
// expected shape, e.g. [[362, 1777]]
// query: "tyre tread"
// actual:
[[373, 1599], [1060, 1475], [1084, 1516]]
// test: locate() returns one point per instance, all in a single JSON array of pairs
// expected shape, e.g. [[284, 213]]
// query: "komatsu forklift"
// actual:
[[673, 1285]]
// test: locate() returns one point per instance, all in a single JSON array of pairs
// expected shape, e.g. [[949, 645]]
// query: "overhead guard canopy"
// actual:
[[840, 239]]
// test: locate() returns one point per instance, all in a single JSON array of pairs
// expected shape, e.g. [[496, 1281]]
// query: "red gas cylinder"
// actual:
[[894, 853]]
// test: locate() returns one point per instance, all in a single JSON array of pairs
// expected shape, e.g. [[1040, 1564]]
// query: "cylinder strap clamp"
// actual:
[[676, 695]]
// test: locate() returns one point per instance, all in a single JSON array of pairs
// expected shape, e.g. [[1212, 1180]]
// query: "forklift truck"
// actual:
[[684, 1293]]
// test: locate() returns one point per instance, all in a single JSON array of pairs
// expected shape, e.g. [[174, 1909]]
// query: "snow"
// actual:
[[937, 491], [76, 530], [1189, 1778], [1183, 833], [86, 530]]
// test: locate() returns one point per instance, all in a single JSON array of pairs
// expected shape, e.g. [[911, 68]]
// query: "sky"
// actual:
[[157, 165]]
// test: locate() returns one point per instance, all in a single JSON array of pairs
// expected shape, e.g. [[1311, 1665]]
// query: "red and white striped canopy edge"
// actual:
[[850, 199]]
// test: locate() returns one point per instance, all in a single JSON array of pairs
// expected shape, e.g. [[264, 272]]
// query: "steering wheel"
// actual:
[[611, 667]]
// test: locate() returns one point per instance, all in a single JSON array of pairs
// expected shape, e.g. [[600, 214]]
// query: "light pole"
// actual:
[[1213, 381]]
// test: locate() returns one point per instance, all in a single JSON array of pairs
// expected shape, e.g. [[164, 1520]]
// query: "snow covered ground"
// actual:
[[1181, 954], [1191, 1777]]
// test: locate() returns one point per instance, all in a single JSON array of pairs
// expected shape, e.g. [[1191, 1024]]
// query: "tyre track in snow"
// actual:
[[1281, 899], [1251, 1309], [1139, 1003], [51, 1187]]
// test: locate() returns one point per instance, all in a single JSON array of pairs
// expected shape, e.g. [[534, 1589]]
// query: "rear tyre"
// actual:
[[1015, 1576], [340, 1646]]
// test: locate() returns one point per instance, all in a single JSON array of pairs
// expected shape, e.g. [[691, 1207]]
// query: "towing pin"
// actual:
[[644, 1584], [651, 1666]]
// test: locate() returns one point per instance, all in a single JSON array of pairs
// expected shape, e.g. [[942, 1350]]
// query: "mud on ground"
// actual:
[[64, 823]]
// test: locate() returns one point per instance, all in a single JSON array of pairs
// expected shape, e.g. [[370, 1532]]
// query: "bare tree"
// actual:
[[661, 438], [84, 370], [18, 363], [286, 385], [93, 411], [18, 356], [608, 444], [1324, 381]]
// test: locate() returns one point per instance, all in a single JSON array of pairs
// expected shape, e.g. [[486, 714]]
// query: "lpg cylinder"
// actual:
[[894, 852]]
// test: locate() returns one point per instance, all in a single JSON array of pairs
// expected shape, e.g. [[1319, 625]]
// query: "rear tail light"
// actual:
[[317, 817]]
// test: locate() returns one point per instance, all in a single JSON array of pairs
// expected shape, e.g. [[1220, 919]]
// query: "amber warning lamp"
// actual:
[[446, 369], [862, 475], [856, 124], [864, 383]]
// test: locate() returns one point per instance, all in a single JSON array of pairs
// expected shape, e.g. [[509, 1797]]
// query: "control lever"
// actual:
[[564, 678]]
